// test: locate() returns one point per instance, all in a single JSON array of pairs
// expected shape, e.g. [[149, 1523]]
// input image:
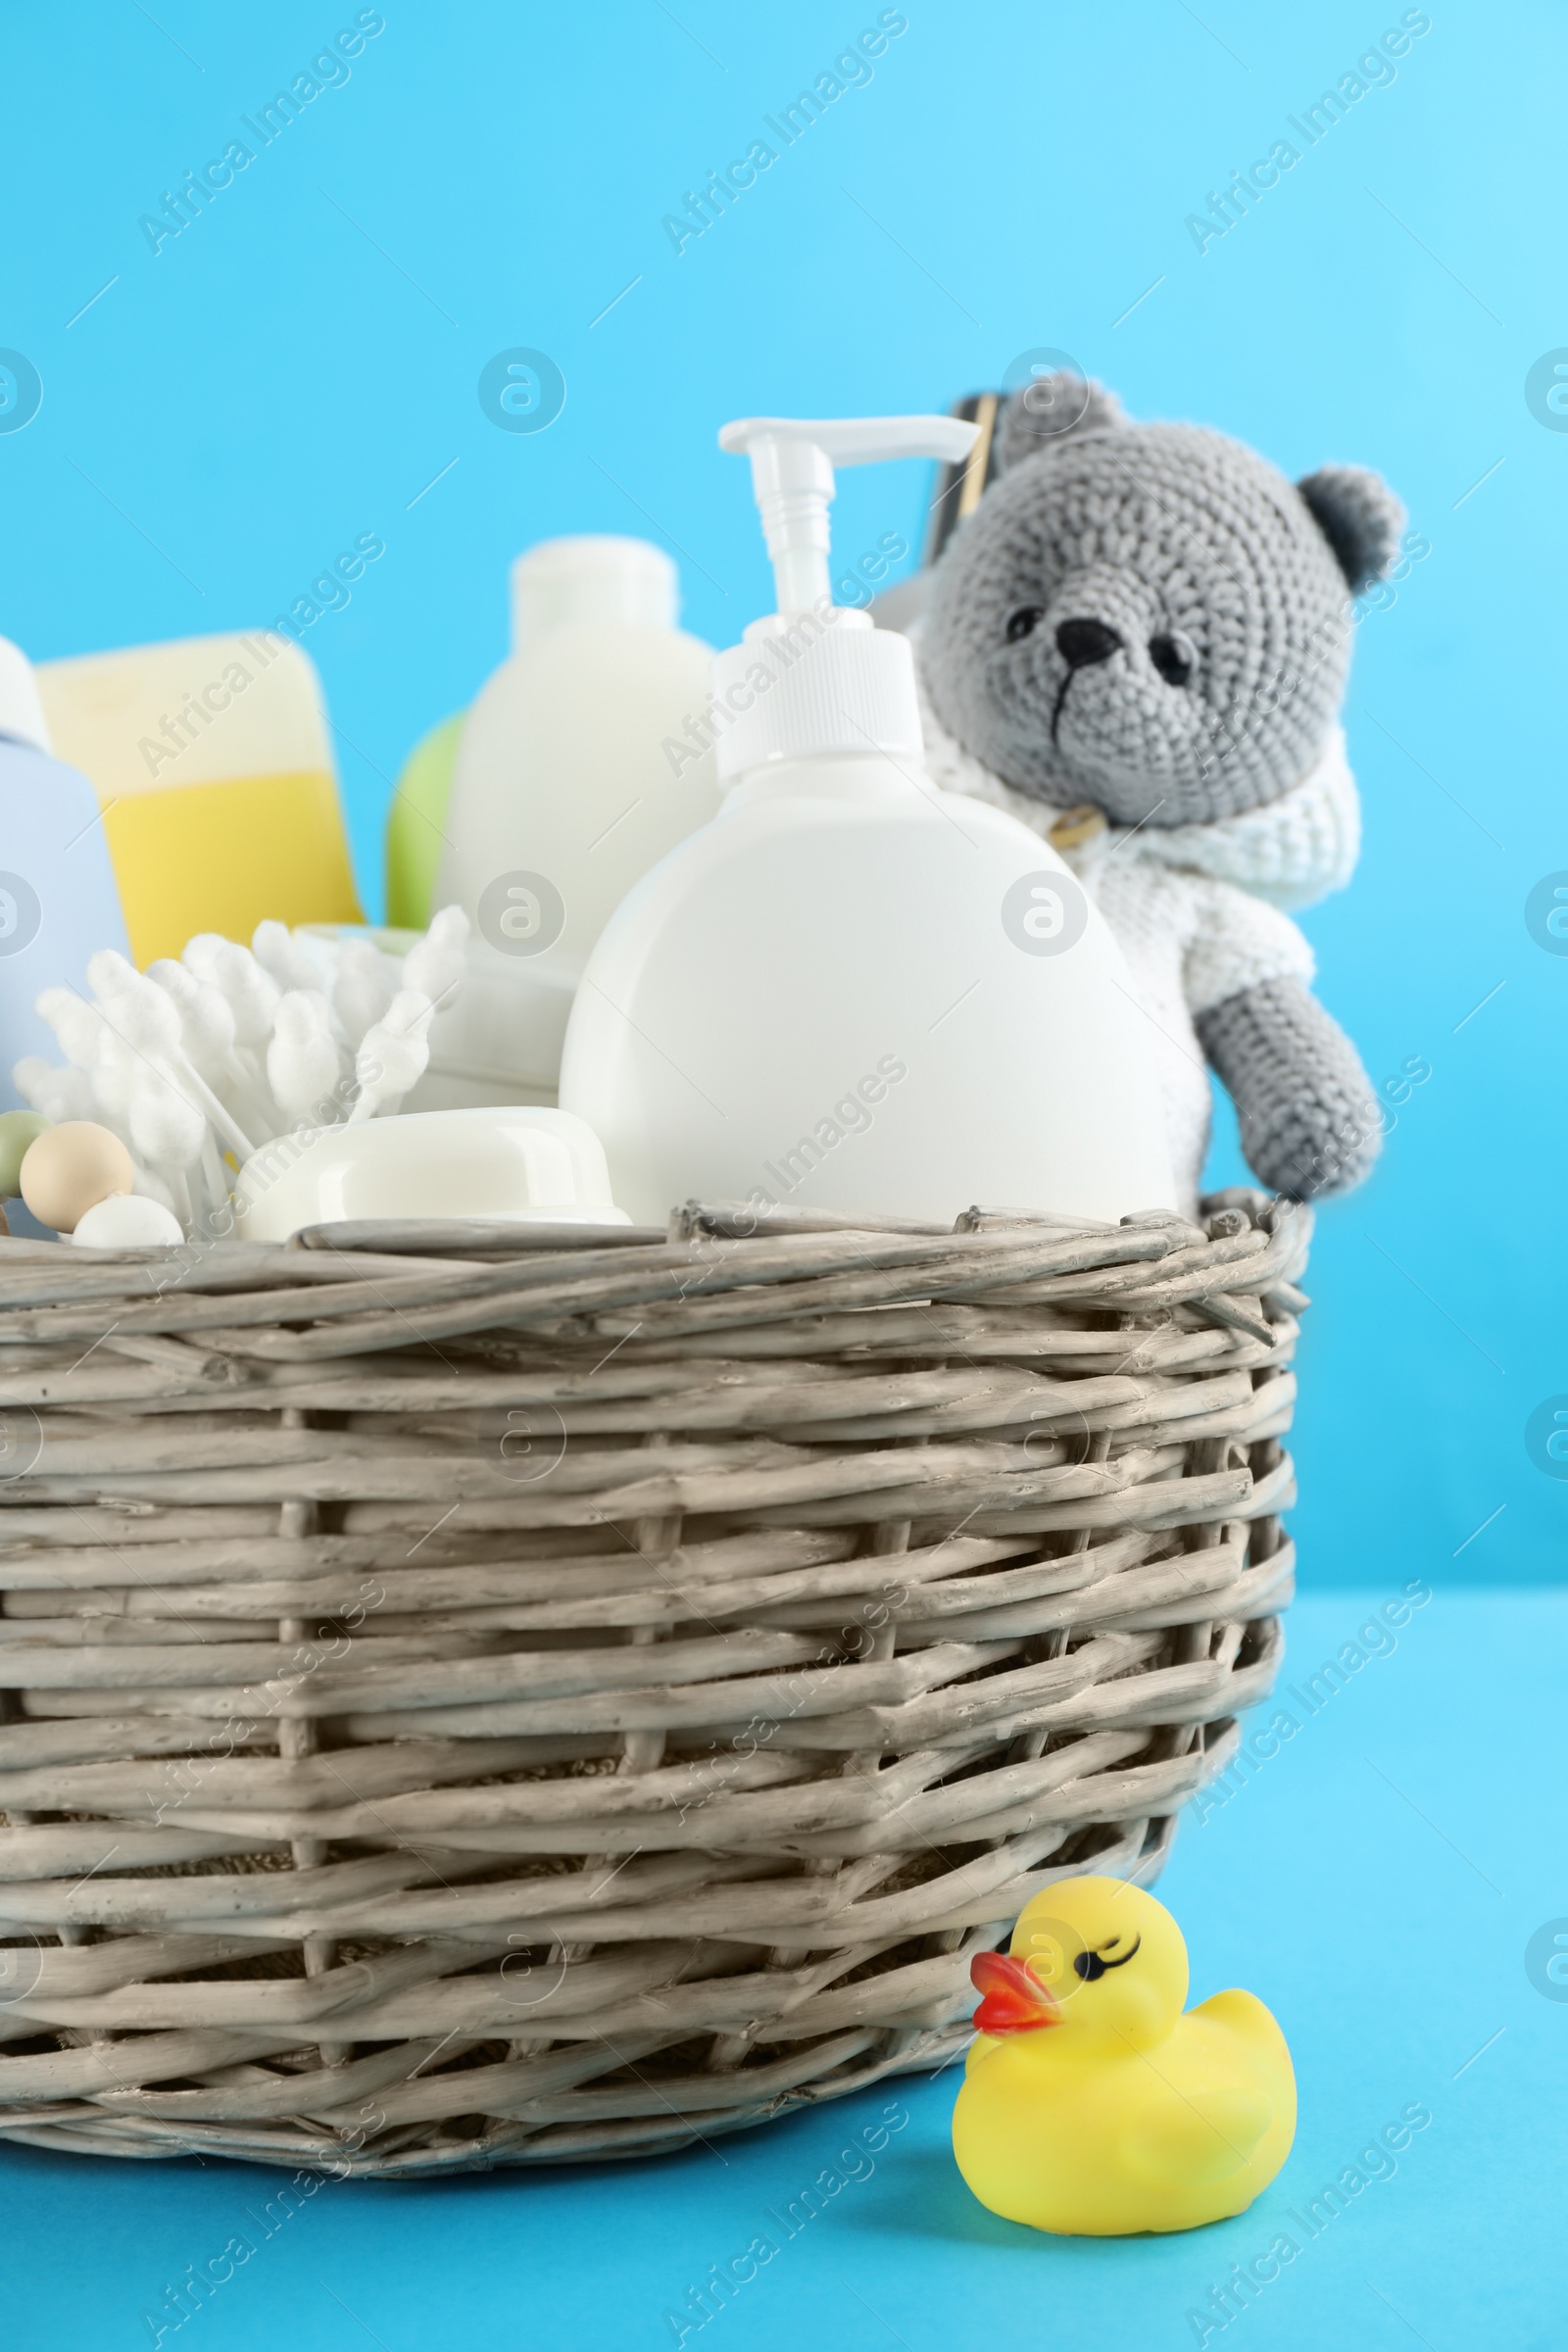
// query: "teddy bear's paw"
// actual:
[[1319, 1152], [1310, 1124]]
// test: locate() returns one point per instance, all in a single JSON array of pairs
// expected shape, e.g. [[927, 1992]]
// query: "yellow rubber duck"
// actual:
[[1091, 2105]]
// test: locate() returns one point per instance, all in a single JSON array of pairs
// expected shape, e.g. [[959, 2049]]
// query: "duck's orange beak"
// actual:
[[1013, 1999]]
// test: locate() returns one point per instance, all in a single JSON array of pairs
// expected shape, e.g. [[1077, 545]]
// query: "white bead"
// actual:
[[127, 1221]]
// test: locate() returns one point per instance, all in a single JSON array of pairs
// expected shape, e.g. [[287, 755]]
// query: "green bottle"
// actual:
[[415, 826]]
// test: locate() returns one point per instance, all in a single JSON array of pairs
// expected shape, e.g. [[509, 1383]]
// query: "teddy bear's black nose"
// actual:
[[1081, 642]]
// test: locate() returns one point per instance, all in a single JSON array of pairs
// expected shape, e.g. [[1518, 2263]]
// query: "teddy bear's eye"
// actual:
[[1173, 656], [1023, 621]]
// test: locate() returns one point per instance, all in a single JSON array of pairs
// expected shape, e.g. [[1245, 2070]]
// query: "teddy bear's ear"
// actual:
[[1359, 516], [1049, 409]]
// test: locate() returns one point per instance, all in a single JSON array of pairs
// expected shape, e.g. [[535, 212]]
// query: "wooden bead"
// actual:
[[127, 1221], [71, 1168]]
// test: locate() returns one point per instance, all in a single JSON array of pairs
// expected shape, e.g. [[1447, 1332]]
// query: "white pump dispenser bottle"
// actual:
[[849, 991]]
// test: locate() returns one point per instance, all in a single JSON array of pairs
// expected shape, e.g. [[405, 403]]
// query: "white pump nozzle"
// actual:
[[830, 684], [792, 479]]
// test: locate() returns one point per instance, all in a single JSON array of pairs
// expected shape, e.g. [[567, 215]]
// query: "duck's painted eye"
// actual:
[[1174, 656], [1091, 1966], [1023, 622]]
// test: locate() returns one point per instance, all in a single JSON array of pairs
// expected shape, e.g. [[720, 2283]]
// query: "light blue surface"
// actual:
[[1376, 1882], [302, 363]]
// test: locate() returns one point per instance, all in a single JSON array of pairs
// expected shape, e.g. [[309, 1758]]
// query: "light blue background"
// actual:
[[302, 361], [279, 378]]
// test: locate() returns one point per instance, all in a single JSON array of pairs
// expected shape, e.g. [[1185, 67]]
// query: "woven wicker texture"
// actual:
[[475, 1698]]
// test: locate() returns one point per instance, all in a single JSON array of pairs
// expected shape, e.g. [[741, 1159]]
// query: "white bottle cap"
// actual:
[[22, 717], [813, 678], [595, 579]]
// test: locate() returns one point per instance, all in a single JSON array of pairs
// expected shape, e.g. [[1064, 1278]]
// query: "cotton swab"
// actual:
[[286, 961], [234, 1043], [393, 1056], [252, 994], [167, 1131], [149, 1023], [59, 1095], [206, 1026], [115, 1075], [437, 965], [207, 1031], [206, 1017], [363, 991], [304, 1068], [77, 1023]]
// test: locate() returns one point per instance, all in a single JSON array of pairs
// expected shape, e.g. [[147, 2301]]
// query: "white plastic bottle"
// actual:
[[574, 774], [58, 899], [851, 991]]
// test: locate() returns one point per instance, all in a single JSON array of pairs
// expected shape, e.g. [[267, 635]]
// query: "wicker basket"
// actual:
[[480, 1698]]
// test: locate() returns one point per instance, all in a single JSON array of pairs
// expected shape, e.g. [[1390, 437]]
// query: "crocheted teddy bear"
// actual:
[[1138, 643]]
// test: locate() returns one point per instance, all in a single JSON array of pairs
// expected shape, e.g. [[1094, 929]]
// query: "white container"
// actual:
[[59, 903], [579, 767], [524, 1166], [499, 1040], [852, 991]]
